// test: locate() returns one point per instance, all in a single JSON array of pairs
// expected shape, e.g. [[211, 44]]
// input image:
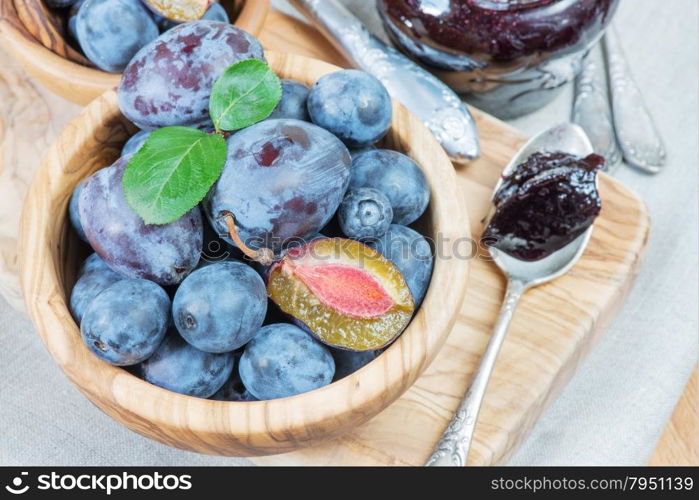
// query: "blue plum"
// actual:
[[125, 324], [161, 253], [412, 255], [283, 179], [396, 176], [233, 389], [348, 362], [293, 103], [215, 249], [282, 360], [216, 12], [179, 367], [93, 278], [135, 142], [111, 32], [365, 213], [168, 82], [73, 213], [59, 4], [73, 18], [361, 149], [220, 307], [351, 104], [93, 263]]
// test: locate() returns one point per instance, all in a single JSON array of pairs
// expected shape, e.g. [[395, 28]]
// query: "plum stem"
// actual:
[[264, 256]]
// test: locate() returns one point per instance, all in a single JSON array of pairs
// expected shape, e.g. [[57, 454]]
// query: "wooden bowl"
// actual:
[[71, 80], [50, 254]]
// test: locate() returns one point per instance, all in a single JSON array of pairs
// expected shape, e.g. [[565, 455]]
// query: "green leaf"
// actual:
[[243, 95], [172, 172]]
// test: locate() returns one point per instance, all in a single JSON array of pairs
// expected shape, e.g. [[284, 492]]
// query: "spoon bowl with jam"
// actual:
[[539, 225]]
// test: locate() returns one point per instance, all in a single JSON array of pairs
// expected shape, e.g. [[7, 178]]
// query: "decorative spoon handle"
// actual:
[[454, 445], [421, 92], [591, 109], [638, 137]]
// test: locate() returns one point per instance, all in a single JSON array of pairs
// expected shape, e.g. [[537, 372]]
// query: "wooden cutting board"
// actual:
[[554, 327]]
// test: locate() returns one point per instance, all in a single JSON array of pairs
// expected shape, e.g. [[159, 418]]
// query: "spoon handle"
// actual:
[[439, 108], [454, 445], [592, 111], [638, 137]]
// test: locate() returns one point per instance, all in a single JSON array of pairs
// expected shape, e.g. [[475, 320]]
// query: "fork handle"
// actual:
[[638, 136], [454, 445]]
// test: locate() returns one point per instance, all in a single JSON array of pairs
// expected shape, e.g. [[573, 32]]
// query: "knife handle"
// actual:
[[439, 108]]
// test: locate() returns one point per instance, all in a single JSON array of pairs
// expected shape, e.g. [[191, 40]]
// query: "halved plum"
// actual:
[[345, 293]]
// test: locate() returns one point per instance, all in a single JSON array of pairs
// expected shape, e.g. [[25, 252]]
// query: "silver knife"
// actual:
[[591, 109], [638, 137], [422, 93]]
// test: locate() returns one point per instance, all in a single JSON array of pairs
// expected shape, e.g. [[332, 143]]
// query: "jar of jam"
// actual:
[[509, 57]]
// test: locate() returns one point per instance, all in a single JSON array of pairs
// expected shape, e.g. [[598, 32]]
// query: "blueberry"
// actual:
[[348, 362], [93, 278], [74, 214], [396, 176], [110, 32], [293, 102], [365, 213], [125, 323], [282, 360], [179, 367], [135, 142], [351, 104], [220, 307], [412, 255]]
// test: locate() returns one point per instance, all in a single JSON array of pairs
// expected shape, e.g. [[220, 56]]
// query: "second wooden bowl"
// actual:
[[76, 82], [50, 254]]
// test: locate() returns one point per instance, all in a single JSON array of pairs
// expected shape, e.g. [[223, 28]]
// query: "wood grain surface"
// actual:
[[81, 83], [48, 28], [30, 118], [679, 444], [543, 350]]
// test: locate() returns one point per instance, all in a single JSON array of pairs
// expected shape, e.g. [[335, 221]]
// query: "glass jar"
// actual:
[[509, 57]]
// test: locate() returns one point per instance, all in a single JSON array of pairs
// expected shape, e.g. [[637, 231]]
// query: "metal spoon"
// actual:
[[592, 111], [424, 94], [453, 447], [638, 137]]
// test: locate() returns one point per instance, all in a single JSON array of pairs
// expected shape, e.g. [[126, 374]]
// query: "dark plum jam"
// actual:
[[507, 57], [547, 202], [499, 30]]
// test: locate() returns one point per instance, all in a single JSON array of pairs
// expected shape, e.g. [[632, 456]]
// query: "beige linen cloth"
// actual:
[[611, 413]]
